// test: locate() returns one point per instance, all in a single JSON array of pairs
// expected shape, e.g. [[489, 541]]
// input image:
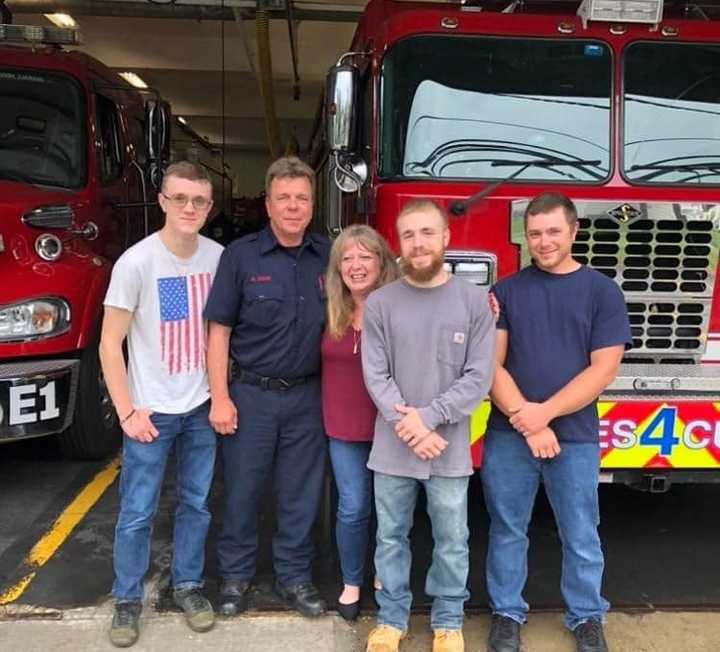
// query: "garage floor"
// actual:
[[661, 550]]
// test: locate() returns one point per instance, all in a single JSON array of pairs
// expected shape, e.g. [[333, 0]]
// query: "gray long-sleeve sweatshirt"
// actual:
[[433, 349]]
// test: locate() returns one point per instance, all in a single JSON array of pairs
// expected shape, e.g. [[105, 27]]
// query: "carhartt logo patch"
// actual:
[[459, 338]]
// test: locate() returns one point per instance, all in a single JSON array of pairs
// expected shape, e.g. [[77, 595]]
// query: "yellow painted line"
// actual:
[[46, 547], [14, 592]]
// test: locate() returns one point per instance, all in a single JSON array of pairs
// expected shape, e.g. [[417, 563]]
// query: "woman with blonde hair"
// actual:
[[360, 261]]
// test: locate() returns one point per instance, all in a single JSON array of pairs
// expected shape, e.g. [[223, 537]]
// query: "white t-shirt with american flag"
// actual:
[[167, 339]]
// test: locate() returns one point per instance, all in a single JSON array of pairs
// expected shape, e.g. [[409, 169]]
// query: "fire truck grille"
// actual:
[[663, 256], [666, 269]]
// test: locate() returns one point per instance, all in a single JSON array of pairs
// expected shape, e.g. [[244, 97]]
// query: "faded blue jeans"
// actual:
[[510, 477], [141, 480], [446, 580], [354, 484]]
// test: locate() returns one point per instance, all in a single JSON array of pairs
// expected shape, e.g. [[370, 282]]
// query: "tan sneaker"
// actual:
[[448, 640], [384, 639]]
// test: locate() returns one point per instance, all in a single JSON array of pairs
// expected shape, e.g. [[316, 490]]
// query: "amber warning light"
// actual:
[[621, 11], [36, 35]]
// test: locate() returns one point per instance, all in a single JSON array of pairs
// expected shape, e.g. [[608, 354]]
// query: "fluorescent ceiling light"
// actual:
[[181, 119], [133, 79], [62, 20]]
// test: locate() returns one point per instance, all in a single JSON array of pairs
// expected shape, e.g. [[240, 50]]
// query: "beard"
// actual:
[[426, 274]]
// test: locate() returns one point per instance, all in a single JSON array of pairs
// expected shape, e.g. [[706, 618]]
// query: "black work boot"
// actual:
[[233, 598], [504, 635], [589, 637], [125, 627], [304, 597]]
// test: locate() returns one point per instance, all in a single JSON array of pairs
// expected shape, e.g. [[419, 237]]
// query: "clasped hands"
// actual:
[[425, 443], [531, 420]]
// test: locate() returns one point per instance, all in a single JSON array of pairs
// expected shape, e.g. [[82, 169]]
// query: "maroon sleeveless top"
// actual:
[[348, 410]]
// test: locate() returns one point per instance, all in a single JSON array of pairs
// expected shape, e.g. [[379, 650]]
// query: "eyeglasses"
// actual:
[[180, 201]]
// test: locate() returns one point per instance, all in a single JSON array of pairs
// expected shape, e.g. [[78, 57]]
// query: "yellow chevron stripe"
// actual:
[[603, 407], [478, 421]]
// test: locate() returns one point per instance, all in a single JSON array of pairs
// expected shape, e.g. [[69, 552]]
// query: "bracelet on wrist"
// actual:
[[129, 414]]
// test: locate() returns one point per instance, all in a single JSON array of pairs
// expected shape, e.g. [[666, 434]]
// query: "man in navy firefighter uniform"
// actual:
[[267, 311]]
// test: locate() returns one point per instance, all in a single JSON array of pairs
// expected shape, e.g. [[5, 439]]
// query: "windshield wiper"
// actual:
[[680, 163], [483, 146], [657, 170], [6, 175], [458, 208]]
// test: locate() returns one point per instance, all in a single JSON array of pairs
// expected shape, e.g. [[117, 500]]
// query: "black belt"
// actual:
[[249, 378]]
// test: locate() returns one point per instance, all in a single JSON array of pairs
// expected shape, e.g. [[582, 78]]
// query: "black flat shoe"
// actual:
[[350, 611]]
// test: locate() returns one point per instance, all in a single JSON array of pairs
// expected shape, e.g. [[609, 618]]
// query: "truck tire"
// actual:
[[94, 432]]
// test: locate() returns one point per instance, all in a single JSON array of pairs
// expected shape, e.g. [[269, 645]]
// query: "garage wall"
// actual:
[[248, 171]]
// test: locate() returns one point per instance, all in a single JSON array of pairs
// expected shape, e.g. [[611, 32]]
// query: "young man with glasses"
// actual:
[[156, 297]]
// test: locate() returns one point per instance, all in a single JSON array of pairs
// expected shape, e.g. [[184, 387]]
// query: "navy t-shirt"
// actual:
[[554, 322]]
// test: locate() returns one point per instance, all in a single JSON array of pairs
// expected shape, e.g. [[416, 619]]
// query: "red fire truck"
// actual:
[[484, 104], [80, 153]]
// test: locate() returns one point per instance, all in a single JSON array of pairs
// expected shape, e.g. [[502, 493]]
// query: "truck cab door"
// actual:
[[140, 190], [125, 226]]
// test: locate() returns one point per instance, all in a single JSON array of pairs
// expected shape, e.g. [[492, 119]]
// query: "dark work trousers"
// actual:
[[279, 432]]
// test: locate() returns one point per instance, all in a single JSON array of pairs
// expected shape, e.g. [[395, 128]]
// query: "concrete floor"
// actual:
[[86, 630]]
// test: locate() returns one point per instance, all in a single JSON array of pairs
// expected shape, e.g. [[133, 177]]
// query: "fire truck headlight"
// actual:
[[476, 267], [33, 319], [476, 272]]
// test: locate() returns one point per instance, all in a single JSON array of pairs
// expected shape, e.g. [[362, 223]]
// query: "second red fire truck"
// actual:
[[617, 105]]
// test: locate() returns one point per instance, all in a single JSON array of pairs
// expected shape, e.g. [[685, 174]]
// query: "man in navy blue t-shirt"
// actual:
[[561, 335]]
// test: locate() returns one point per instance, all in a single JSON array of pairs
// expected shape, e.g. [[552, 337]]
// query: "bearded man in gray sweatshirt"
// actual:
[[428, 360]]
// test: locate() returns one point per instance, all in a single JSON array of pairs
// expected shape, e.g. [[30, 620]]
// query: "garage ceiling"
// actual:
[[179, 52]]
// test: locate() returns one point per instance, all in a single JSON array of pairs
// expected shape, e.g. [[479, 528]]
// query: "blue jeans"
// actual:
[[141, 479], [446, 580], [354, 484], [510, 477]]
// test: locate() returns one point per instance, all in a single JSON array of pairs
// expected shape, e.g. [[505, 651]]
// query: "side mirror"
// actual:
[[351, 172], [157, 139], [157, 130], [340, 95]]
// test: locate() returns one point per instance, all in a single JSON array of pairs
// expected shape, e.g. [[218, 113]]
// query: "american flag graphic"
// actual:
[[183, 337]]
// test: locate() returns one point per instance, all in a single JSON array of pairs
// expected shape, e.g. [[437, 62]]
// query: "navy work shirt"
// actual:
[[554, 322], [273, 298]]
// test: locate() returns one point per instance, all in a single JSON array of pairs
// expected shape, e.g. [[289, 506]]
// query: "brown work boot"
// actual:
[[384, 639], [448, 640]]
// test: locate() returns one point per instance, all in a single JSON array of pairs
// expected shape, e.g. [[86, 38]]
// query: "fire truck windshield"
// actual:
[[457, 106], [672, 113], [42, 137]]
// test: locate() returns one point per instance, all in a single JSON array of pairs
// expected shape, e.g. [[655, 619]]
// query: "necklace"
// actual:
[[356, 340], [174, 260]]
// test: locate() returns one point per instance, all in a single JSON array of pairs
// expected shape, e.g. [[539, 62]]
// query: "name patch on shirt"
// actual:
[[260, 278], [459, 338]]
